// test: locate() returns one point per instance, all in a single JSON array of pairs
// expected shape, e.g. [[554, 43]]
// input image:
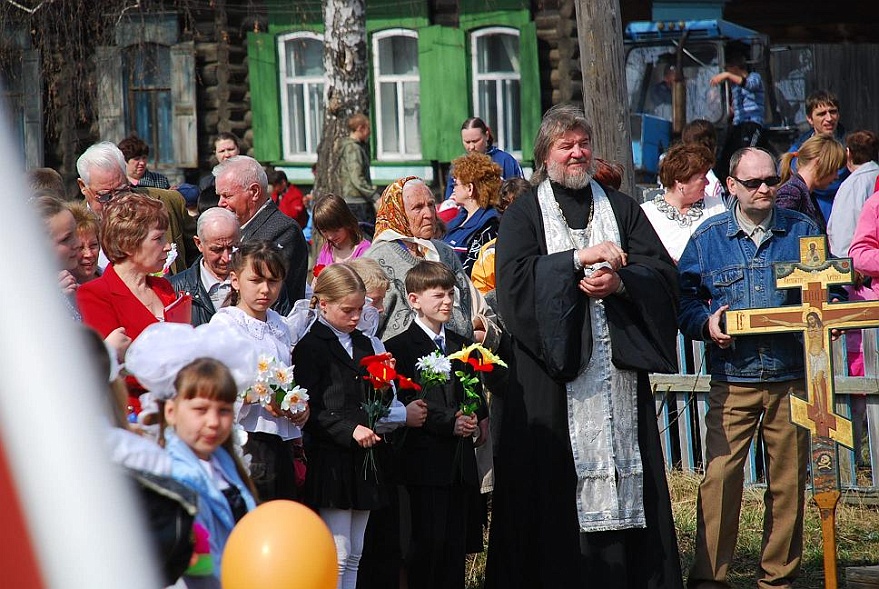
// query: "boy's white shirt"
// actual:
[[429, 330]]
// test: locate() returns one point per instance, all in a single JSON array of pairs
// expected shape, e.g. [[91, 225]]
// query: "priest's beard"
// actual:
[[574, 179]]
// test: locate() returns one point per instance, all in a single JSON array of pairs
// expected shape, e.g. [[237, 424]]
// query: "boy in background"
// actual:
[[748, 106]]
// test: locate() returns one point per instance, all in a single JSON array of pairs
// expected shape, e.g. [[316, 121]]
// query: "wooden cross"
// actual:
[[814, 318]]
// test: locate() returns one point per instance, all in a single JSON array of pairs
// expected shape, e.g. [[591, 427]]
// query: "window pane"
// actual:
[[791, 70], [304, 57], [148, 66], [649, 82], [411, 118], [302, 96], [487, 90], [296, 123], [316, 94], [398, 55], [497, 53], [388, 120], [496, 82]]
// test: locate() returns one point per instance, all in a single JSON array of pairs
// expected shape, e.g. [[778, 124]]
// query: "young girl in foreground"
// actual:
[[339, 228], [194, 375], [199, 420], [327, 361], [257, 272]]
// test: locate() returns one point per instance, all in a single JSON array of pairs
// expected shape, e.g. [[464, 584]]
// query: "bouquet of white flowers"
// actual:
[[275, 385]]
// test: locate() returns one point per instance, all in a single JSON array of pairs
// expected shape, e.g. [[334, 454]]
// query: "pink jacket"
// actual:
[[325, 257], [864, 248]]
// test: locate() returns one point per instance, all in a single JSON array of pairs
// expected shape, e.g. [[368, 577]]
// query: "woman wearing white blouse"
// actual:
[[684, 206]]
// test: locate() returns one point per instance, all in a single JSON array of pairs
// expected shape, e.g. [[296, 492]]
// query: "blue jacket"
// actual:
[[214, 512], [722, 266]]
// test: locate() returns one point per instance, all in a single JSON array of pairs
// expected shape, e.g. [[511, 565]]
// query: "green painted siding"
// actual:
[[381, 24], [529, 88], [515, 19], [442, 65], [262, 59]]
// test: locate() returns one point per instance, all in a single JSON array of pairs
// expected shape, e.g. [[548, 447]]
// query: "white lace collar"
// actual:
[[273, 325]]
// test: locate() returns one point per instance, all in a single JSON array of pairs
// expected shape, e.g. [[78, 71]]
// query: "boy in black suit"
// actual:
[[438, 462]]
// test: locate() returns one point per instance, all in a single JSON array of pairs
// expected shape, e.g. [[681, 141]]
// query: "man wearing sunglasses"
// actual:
[[102, 178], [728, 264]]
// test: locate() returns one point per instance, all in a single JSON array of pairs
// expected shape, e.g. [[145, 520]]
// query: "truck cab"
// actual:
[[669, 66]]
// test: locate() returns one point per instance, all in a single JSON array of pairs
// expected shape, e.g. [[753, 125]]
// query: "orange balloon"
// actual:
[[280, 545]]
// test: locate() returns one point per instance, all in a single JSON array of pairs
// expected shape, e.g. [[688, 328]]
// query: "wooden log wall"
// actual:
[[223, 89], [558, 54]]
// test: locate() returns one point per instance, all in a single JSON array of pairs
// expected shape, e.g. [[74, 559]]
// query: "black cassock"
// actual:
[[535, 536]]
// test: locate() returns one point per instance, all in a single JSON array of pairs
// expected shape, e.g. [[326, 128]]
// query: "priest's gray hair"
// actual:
[[245, 170], [557, 121], [100, 156]]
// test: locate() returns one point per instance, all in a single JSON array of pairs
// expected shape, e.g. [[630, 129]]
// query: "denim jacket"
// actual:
[[722, 266]]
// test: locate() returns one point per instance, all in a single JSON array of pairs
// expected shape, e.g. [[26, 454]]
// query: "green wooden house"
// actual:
[[431, 66]]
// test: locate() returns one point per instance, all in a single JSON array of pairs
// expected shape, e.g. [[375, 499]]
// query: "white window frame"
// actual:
[[310, 154], [499, 130], [398, 80]]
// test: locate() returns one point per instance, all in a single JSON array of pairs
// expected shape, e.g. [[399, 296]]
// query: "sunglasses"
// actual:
[[755, 183], [106, 196]]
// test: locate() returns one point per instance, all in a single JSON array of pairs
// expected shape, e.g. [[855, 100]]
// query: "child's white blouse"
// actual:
[[270, 337]]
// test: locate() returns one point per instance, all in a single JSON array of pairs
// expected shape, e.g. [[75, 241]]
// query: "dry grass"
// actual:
[[857, 526]]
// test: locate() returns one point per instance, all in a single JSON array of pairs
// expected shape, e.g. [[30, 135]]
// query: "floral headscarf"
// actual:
[[392, 214], [392, 224]]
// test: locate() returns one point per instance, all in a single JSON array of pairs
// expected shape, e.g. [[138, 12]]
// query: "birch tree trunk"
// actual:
[[345, 91], [602, 61]]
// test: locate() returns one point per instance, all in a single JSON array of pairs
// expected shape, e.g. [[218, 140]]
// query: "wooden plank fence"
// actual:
[[682, 402]]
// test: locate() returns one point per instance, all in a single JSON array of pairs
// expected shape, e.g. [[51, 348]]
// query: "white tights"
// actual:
[[348, 527]]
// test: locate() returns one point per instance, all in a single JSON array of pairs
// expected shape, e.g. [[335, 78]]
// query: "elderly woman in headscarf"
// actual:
[[404, 229]]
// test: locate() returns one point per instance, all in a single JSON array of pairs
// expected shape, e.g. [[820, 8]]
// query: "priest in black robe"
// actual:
[[589, 296]]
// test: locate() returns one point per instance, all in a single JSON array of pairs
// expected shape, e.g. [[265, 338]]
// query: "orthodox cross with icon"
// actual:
[[814, 318]]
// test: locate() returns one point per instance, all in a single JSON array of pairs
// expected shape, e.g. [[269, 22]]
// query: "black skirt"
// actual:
[[346, 478]]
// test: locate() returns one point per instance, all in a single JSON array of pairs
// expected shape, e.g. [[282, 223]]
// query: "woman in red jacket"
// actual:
[[126, 294]]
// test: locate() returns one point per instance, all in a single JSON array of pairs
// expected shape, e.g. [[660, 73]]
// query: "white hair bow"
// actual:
[[162, 349]]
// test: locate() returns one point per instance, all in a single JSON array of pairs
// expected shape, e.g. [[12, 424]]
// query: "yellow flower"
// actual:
[[489, 357], [463, 354], [486, 357]]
